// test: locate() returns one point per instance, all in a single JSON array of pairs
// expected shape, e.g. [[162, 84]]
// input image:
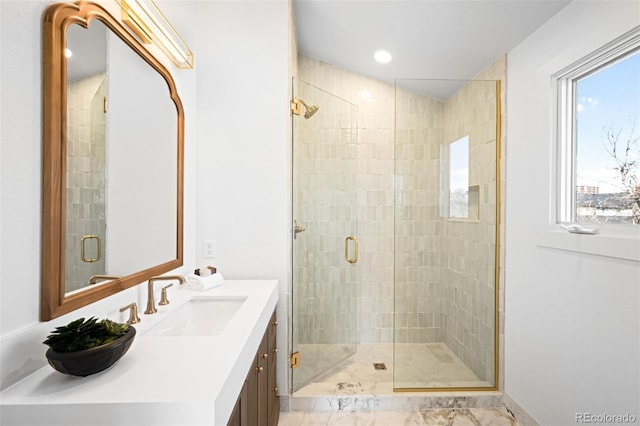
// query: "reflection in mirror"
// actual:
[[86, 54], [103, 149], [112, 160], [141, 165]]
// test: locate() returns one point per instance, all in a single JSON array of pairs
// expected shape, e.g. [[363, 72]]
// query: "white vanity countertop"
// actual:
[[183, 380]]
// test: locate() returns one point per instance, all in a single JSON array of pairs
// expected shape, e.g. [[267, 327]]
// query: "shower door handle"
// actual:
[[353, 259], [83, 250]]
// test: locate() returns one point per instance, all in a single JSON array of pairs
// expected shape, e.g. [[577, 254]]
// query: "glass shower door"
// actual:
[[325, 246], [446, 234]]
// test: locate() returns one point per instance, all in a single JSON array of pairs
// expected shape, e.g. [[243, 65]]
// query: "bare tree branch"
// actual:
[[626, 164]]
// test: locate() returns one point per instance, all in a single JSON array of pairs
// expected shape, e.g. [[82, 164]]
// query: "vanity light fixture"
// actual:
[[68, 53], [382, 56], [148, 22]]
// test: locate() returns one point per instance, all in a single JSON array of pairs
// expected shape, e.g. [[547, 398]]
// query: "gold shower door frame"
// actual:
[[324, 242]]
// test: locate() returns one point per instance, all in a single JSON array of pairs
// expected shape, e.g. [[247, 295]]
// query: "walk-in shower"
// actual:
[[407, 176]]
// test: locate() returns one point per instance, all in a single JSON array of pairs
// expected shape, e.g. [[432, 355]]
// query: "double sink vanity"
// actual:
[[187, 366]]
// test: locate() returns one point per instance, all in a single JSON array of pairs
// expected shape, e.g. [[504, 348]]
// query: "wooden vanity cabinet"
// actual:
[[258, 403]]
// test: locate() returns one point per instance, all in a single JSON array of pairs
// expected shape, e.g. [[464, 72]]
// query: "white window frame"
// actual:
[[614, 240]]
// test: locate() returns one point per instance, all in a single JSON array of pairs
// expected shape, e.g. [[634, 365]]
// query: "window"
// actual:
[[458, 199], [459, 178], [599, 136]]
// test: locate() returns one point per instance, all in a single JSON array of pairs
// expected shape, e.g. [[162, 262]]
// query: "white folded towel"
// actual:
[[196, 282]]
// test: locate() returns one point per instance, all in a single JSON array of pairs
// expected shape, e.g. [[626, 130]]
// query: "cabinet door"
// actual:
[[258, 403], [273, 400], [252, 396], [263, 382]]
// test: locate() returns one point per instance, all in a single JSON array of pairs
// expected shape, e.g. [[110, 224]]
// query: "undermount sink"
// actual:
[[199, 317]]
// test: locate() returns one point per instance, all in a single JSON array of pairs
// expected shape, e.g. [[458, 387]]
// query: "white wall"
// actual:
[[243, 165], [572, 332], [21, 333]]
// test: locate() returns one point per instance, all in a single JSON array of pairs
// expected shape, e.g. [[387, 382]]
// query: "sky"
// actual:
[[608, 98]]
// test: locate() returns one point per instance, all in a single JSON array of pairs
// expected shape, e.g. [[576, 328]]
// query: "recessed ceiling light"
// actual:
[[382, 56]]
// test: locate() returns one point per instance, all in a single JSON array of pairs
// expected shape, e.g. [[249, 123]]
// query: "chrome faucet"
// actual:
[[151, 304]]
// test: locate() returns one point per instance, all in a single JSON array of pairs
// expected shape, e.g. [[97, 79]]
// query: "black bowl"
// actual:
[[93, 360]]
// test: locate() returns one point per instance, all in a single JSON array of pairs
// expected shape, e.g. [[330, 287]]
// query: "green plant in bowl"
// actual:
[[80, 334], [82, 348]]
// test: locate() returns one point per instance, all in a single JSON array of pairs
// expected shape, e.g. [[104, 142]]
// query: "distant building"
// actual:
[[584, 189], [601, 208]]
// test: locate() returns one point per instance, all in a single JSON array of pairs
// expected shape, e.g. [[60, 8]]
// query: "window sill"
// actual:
[[617, 246]]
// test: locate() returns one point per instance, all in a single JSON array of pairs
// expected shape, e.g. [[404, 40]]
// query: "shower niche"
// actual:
[[410, 170]]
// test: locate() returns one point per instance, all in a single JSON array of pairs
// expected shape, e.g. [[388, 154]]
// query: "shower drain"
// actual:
[[379, 366]]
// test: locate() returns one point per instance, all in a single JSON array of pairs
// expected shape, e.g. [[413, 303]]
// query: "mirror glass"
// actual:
[[87, 81], [121, 160], [113, 160]]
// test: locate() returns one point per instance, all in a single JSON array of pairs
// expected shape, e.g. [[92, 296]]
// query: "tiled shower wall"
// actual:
[[85, 176], [374, 191], [422, 306], [469, 268], [443, 271]]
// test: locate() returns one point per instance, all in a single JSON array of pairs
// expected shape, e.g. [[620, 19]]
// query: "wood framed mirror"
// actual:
[[113, 149]]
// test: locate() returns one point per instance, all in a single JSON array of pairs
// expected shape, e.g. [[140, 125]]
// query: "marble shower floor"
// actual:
[[418, 365]]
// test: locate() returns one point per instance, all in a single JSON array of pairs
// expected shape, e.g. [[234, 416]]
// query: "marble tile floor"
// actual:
[[417, 365], [423, 417]]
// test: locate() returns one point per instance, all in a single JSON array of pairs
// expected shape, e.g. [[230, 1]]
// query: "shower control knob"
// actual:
[[297, 229]]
